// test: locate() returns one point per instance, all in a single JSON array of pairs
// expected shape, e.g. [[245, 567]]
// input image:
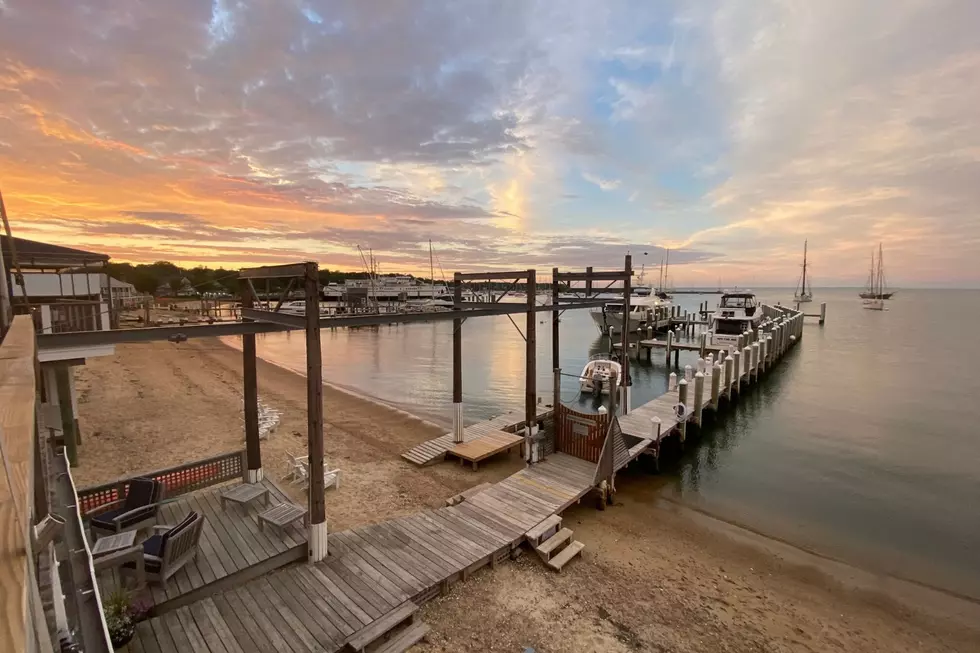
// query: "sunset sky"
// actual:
[[513, 134]]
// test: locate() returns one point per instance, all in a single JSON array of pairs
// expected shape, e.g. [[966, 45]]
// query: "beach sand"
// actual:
[[651, 578]]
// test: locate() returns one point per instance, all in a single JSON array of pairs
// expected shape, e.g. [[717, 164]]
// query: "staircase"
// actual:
[[395, 632], [553, 543]]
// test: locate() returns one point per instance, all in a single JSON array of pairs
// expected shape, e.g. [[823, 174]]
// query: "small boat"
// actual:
[[804, 293], [598, 375], [737, 312], [876, 293]]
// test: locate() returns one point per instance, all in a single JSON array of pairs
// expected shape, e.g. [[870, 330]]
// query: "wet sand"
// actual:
[[653, 577]]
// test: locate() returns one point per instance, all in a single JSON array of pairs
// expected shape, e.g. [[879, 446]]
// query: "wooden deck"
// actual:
[[232, 549], [371, 571], [482, 448], [435, 450]]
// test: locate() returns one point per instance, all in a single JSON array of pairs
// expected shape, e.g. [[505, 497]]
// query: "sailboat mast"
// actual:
[[803, 284], [667, 269], [432, 280]]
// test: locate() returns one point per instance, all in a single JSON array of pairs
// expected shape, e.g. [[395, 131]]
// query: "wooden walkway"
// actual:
[[482, 448], [371, 571], [433, 451], [232, 548]]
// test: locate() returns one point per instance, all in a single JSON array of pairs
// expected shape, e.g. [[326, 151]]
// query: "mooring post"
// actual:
[[715, 384], [317, 547], [756, 350], [728, 376], [672, 382], [704, 343], [688, 373], [747, 364], [682, 399], [699, 366], [250, 392], [670, 342], [530, 379], [655, 427], [612, 348], [823, 312], [737, 355], [457, 360], [698, 396]]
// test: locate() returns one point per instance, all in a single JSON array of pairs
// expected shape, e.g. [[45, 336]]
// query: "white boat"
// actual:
[[737, 312], [641, 312], [804, 292], [598, 375]]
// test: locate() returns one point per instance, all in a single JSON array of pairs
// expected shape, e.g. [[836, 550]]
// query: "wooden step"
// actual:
[[566, 554], [552, 544], [404, 640], [534, 535], [373, 631]]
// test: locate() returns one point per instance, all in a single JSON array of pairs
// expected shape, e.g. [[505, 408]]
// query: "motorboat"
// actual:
[[642, 311], [737, 312], [599, 375]]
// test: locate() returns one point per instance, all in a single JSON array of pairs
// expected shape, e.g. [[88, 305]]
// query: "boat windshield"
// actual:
[[729, 327], [737, 301]]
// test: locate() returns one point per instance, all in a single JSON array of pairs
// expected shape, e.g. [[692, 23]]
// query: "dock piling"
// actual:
[[672, 383], [715, 384], [737, 355], [670, 342], [682, 399], [688, 373], [698, 396], [756, 350], [823, 313], [704, 343], [728, 376]]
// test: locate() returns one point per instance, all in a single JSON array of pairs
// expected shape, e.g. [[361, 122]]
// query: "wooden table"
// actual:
[[281, 516], [113, 551], [244, 494]]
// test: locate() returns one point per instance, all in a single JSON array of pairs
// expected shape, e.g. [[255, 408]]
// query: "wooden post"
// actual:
[[457, 361], [317, 546], [612, 349], [625, 363], [672, 382], [728, 376], [530, 376], [556, 392], [688, 373], [698, 396], [253, 449], [63, 383], [765, 351], [555, 364], [737, 355], [588, 282], [756, 349], [715, 384], [747, 364], [823, 312], [704, 343], [682, 399], [670, 342]]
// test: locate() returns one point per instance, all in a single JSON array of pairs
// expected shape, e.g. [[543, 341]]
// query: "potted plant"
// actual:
[[121, 617]]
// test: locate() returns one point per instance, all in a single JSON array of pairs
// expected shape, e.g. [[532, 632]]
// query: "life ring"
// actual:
[[681, 411]]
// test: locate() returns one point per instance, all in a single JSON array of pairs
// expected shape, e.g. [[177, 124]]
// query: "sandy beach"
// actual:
[[653, 577]]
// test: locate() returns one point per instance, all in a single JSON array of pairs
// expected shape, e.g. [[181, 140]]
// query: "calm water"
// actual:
[[863, 445]]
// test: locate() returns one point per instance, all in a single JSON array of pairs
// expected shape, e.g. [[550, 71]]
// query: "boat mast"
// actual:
[[667, 269], [432, 279], [803, 284], [881, 270]]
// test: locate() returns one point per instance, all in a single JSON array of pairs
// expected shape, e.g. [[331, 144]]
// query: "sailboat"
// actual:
[[804, 293], [875, 295]]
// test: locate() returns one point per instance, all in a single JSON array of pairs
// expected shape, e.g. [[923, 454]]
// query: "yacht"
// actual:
[[641, 310], [737, 312], [598, 375]]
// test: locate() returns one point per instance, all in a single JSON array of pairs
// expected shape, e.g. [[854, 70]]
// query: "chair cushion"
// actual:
[[154, 546], [104, 520], [142, 492]]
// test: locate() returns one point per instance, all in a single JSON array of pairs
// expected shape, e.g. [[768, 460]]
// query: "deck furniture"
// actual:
[[138, 510], [294, 466], [114, 551], [282, 515], [244, 494], [112, 543], [330, 476], [170, 548]]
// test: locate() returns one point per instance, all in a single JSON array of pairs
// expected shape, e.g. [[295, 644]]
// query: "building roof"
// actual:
[[33, 255]]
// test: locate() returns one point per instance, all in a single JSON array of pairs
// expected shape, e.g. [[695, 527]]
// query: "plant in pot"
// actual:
[[120, 617]]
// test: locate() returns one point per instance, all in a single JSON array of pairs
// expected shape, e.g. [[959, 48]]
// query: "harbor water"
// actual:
[[863, 445]]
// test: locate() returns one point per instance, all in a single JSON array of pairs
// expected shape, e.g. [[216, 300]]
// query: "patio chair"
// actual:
[[170, 548], [294, 467], [330, 476], [137, 510]]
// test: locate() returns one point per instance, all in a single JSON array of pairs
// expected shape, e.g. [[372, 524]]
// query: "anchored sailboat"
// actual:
[[804, 293], [875, 295]]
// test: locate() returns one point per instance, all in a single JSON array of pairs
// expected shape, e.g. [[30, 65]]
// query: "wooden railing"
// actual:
[[176, 480], [580, 434]]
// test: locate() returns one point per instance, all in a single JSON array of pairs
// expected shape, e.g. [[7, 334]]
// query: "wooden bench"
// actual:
[[282, 515]]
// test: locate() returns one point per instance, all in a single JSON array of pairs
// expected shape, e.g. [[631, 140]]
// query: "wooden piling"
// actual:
[[531, 374], [682, 399], [670, 342], [756, 350], [704, 343], [737, 355], [698, 396], [823, 313], [253, 449], [729, 362], [715, 384], [688, 373]]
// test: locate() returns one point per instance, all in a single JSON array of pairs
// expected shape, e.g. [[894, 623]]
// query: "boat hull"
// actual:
[[880, 295]]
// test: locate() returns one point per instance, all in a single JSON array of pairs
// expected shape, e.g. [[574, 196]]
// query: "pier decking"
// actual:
[[372, 571], [435, 450]]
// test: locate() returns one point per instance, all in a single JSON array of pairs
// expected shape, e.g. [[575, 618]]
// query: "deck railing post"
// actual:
[[698, 396]]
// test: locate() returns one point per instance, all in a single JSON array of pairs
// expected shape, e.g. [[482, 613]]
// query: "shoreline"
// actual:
[[663, 577]]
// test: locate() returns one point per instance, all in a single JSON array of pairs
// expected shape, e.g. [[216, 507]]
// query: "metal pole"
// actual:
[[627, 291], [317, 548], [457, 361], [253, 449], [530, 377]]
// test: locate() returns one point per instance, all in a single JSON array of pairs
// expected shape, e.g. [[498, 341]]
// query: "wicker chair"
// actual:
[[170, 548], [138, 510]]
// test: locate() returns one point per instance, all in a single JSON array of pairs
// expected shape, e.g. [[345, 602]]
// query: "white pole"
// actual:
[[672, 384], [698, 396], [688, 373]]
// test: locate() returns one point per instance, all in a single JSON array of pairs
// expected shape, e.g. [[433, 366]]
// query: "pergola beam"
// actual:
[[594, 276], [484, 276], [274, 271]]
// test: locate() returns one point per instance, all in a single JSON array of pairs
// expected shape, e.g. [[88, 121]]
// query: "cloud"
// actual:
[[604, 184]]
